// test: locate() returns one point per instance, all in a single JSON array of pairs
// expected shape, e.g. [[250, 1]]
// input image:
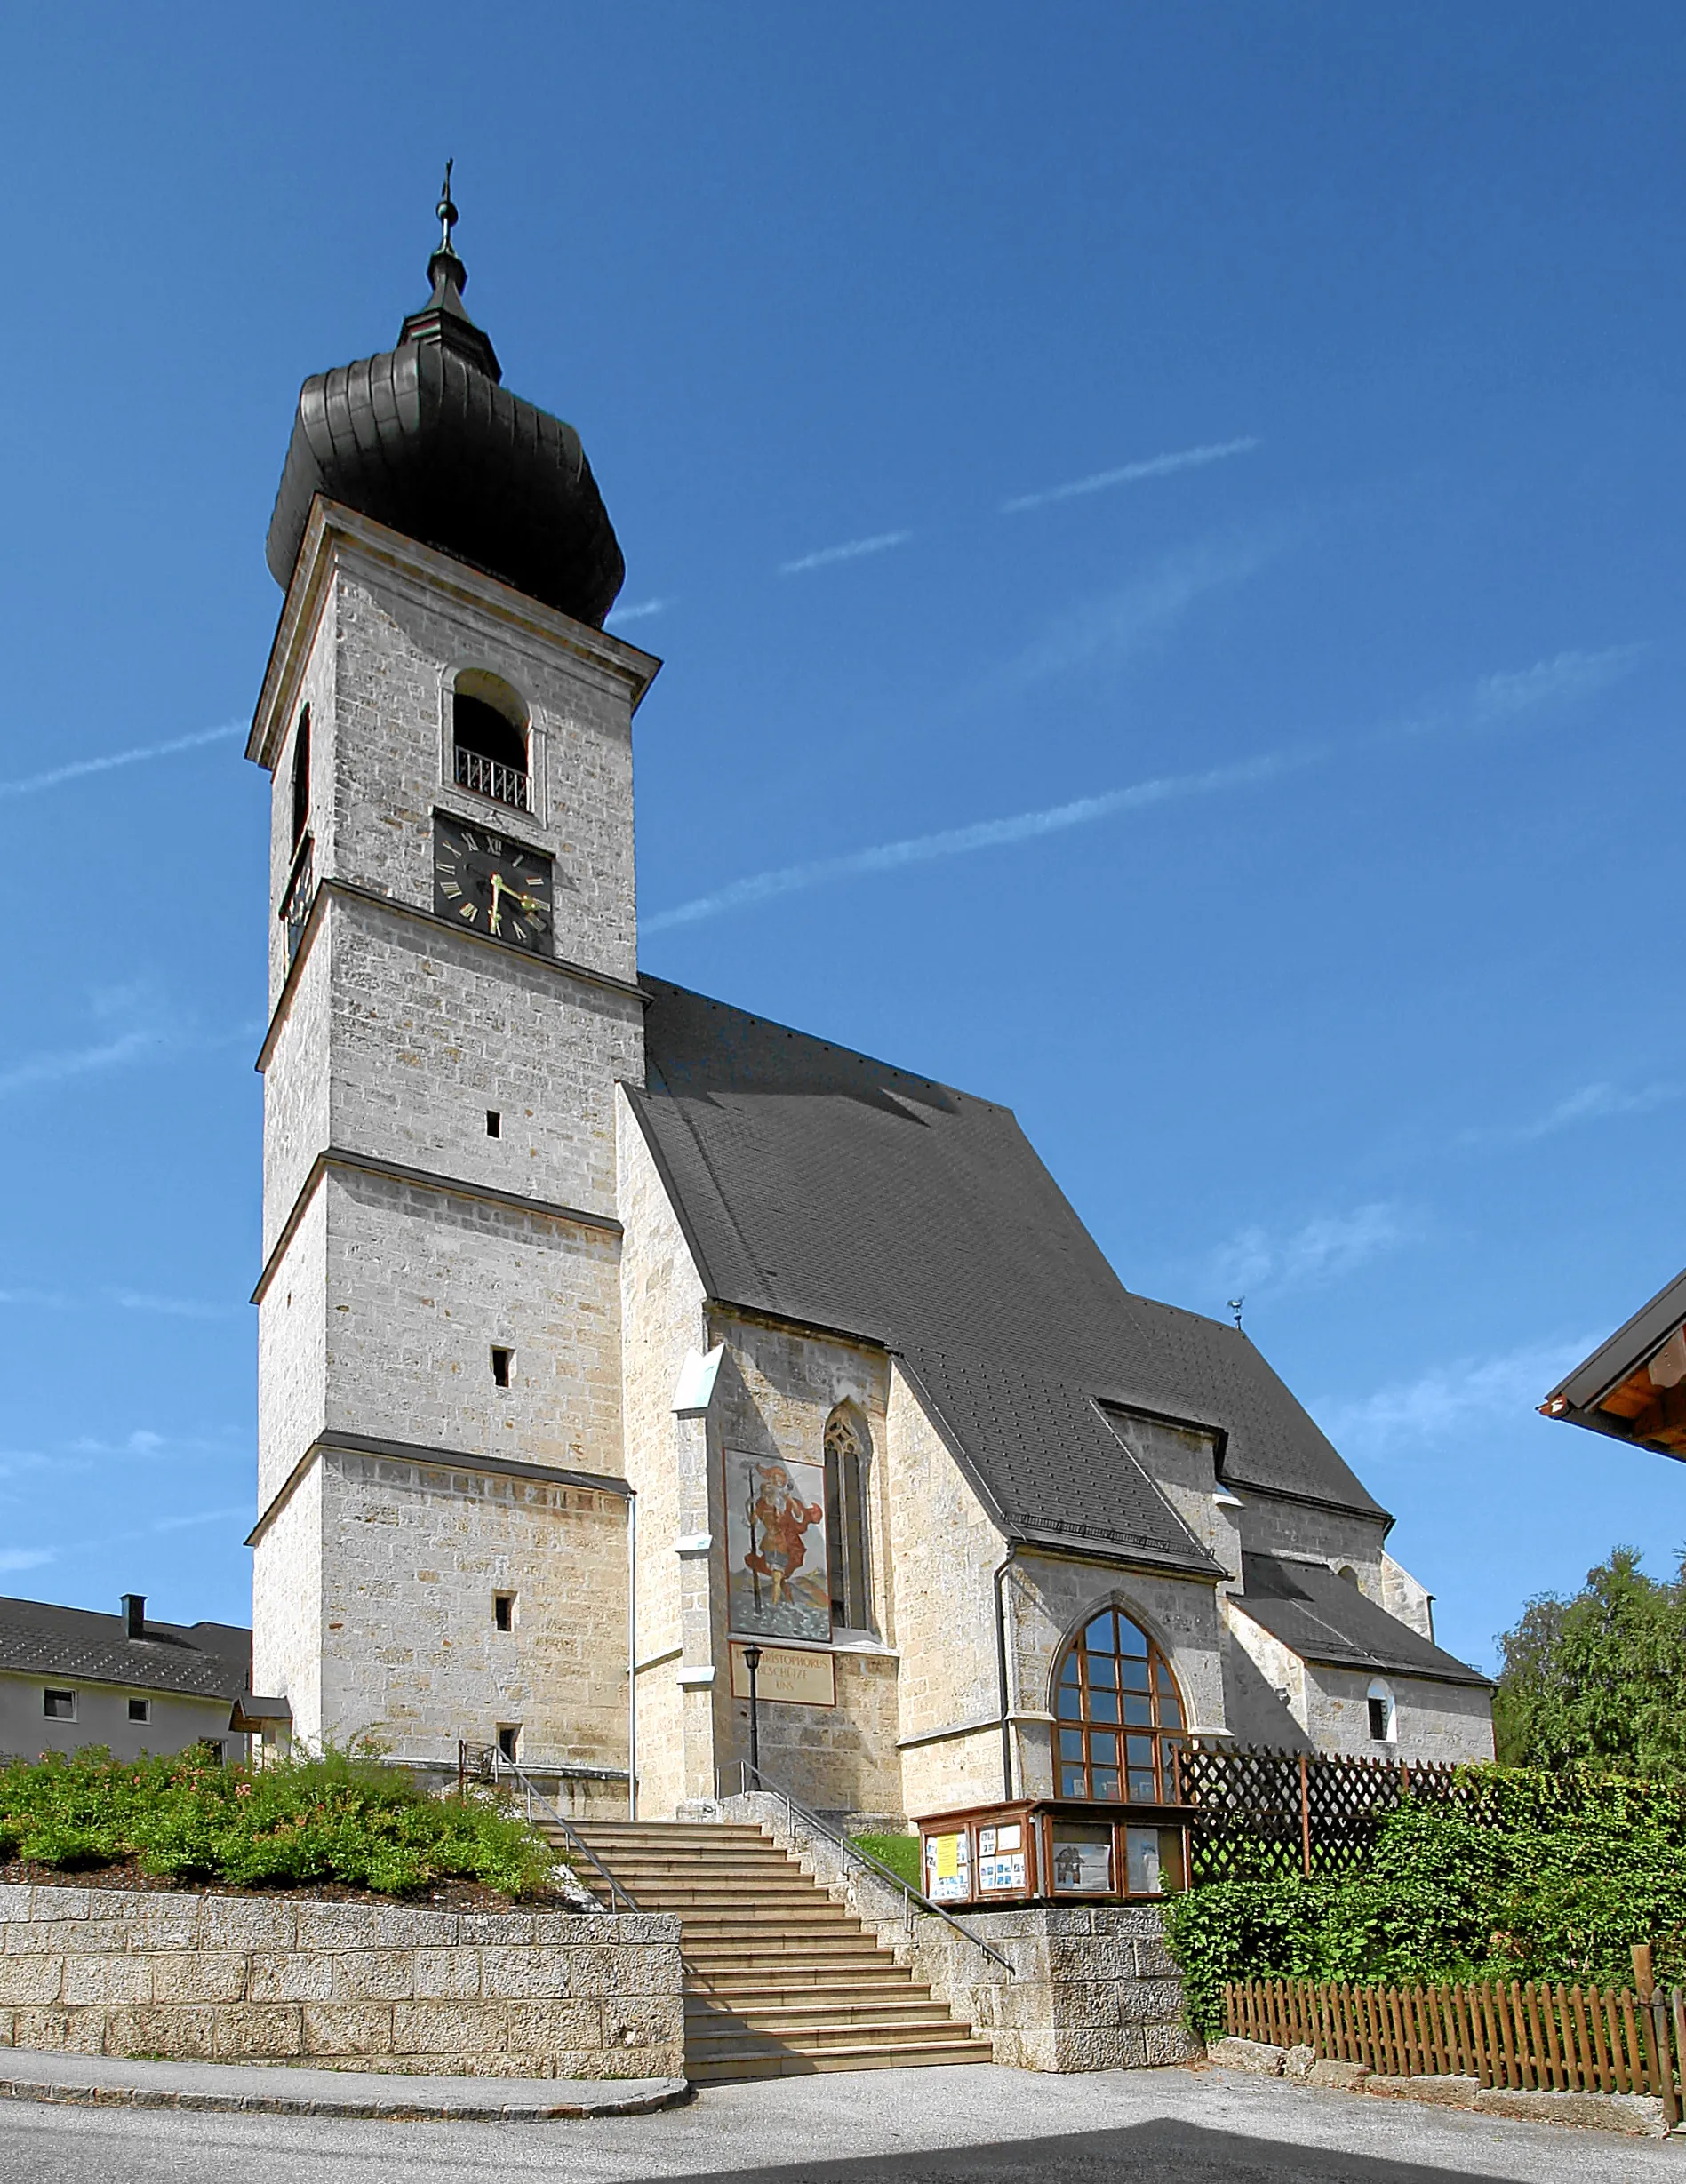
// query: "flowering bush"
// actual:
[[339, 1818]]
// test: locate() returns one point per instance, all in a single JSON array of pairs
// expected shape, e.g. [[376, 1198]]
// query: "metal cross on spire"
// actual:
[[446, 211]]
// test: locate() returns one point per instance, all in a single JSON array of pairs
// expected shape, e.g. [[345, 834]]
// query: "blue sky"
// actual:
[[1163, 524]]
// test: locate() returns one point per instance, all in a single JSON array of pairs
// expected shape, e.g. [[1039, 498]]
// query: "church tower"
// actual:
[[440, 1546]]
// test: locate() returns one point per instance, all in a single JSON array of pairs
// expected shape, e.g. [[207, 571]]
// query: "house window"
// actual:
[[140, 1710], [846, 1520], [1119, 1716], [488, 736], [1380, 1702], [508, 1738], [503, 1610], [59, 1705]]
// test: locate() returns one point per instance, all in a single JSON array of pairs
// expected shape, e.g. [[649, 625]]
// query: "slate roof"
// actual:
[[820, 1185], [1323, 1617], [202, 1660]]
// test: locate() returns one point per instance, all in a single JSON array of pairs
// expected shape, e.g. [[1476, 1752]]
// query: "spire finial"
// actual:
[[445, 212], [443, 318]]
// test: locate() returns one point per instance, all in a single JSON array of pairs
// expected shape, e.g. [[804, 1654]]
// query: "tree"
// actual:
[[1600, 1677]]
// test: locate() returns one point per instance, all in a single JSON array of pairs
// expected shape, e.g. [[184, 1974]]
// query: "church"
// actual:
[[612, 1338]]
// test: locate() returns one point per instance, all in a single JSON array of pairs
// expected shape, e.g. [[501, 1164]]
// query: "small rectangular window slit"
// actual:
[[494, 1123], [503, 1610], [501, 1361], [140, 1710], [508, 1740]]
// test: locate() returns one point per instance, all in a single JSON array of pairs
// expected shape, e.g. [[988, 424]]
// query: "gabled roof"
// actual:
[[1324, 1617], [818, 1185], [1631, 1386], [202, 1660]]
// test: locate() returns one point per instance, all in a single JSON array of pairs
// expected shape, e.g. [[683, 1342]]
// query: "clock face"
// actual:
[[490, 884]]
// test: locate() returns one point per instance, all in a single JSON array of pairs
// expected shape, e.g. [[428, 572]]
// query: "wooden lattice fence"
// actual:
[[1261, 1813], [1536, 2036]]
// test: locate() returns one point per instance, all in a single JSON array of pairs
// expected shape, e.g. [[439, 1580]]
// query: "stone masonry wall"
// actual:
[[342, 1986], [667, 1459], [422, 1284], [413, 1555]]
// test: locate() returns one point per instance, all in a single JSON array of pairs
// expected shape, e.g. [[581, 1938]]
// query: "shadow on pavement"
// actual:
[[1151, 2152]]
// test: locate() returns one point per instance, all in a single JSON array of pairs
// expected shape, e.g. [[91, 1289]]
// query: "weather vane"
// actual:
[[1235, 1304]]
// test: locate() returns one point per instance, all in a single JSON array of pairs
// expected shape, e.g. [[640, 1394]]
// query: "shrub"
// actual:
[[1534, 1877], [339, 1818]]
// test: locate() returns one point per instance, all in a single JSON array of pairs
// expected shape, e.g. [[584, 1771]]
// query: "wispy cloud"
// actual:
[[1129, 474], [1460, 1397], [1571, 674], [640, 610], [26, 1558], [960, 841], [150, 1025], [175, 1307], [852, 550], [1593, 1102], [141, 1442], [1114, 624], [30, 785], [47, 1300], [1323, 1249]]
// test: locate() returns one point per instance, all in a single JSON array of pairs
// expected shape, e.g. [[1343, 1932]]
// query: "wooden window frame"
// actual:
[[1082, 1767]]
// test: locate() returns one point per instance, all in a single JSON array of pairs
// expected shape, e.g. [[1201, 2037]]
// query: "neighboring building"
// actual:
[[1634, 1386], [71, 1677], [568, 1270]]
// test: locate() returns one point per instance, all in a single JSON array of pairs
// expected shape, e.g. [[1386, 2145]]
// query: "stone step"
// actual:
[[827, 1946], [705, 2041], [758, 2062], [786, 2019], [731, 1988]]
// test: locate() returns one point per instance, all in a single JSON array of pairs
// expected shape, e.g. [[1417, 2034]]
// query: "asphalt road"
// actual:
[[921, 2126]]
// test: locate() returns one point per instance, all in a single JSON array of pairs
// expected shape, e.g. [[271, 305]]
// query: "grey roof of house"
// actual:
[[1324, 1617], [202, 1660], [818, 1185]]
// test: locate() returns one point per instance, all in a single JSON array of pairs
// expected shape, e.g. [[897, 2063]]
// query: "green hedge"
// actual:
[[1538, 1877], [335, 1818]]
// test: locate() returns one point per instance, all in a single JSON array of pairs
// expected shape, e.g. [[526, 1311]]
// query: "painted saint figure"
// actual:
[[777, 1519]]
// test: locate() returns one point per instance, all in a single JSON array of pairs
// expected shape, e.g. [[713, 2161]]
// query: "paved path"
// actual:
[[965, 2126]]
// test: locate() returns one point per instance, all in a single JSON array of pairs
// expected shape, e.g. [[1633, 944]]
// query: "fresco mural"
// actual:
[[776, 1576]]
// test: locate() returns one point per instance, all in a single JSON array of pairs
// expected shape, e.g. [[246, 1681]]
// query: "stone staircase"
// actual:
[[779, 1980]]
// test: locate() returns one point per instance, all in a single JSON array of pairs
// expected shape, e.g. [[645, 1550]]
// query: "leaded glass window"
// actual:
[[1118, 1716]]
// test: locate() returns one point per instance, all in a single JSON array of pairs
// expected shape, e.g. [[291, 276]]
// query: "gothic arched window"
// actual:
[[846, 1520], [1119, 1715]]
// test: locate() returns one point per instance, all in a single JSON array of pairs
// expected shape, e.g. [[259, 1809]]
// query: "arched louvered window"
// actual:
[[1118, 1716], [301, 777], [846, 1519]]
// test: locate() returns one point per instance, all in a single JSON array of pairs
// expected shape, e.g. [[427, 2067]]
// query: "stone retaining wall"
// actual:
[[344, 1986], [1092, 1988]]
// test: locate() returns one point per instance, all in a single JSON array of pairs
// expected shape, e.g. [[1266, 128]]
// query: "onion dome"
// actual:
[[424, 439]]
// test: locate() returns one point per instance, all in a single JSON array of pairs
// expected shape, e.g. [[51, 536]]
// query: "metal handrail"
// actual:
[[852, 1850], [618, 1894]]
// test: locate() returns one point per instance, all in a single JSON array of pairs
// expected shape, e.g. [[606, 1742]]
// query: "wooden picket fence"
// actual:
[[1533, 2035]]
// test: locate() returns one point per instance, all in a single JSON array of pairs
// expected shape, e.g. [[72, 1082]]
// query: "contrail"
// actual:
[[986, 835], [77, 767], [851, 551], [1127, 473], [1494, 700]]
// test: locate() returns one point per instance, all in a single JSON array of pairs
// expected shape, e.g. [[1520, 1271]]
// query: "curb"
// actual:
[[661, 2093]]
